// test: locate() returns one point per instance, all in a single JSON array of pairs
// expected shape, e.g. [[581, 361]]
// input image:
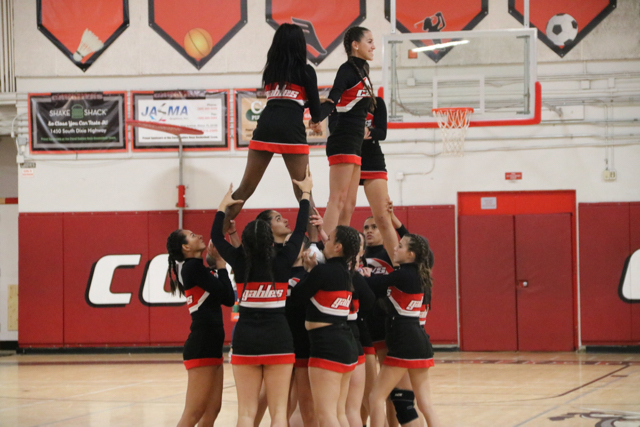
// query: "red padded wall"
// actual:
[[41, 279], [168, 325], [487, 283], [634, 240], [437, 224], [543, 260], [87, 238], [604, 246], [58, 314]]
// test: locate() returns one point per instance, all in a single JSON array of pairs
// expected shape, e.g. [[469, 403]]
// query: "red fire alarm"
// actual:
[[412, 54], [512, 176]]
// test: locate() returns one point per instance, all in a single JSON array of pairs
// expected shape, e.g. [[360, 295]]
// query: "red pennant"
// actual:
[[197, 29], [436, 16], [82, 29], [562, 24], [324, 23]]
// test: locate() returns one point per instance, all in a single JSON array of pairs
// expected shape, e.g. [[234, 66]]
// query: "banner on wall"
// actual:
[[249, 105], [77, 121], [562, 24], [323, 23], [199, 109], [437, 16], [197, 29], [82, 29]]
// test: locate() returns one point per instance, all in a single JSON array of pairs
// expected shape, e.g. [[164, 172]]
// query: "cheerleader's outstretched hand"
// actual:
[[228, 200], [305, 185]]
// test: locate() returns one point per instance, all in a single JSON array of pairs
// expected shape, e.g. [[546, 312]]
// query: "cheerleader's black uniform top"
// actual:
[[362, 302], [326, 287], [407, 342], [296, 314], [281, 128], [351, 101], [205, 293], [373, 165], [378, 260], [262, 335]]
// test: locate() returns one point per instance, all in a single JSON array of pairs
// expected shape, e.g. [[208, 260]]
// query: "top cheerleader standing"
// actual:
[[352, 96]]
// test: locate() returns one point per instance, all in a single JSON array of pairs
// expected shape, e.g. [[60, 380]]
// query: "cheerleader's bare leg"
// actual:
[[422, 390], [340, 180], [377, 194], [257, 162]]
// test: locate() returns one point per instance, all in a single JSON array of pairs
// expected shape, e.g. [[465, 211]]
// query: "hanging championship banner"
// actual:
[[323, 23], [200, 109], [436, 16], [562, 24], [82, 29], [249, 105], [77, 121], [197, 29]]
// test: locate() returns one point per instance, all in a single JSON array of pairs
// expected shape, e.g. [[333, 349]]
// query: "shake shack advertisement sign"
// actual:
[[77, 122]]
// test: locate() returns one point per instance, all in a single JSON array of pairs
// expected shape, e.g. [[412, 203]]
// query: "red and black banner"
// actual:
[[197, 29], [436, 16], [562, 24], [82, 29], [323, 23]]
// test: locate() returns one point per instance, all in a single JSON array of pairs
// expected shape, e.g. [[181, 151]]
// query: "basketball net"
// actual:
[[453, 123]]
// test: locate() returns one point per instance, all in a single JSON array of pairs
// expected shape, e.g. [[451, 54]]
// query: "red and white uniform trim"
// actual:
[[353, 95], [408, 363], [292, 284], [353, 310], [379, 266], [334, 303], [409, 305], [315, 362], [278, 148], [196, 363], [195, 297], [263, 294], [423, 314], [291, 92], [263, 359]]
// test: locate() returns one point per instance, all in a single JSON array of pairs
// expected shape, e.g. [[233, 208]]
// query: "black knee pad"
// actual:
[[403, 402]]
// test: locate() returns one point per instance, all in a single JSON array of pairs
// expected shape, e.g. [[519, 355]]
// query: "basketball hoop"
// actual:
[[453, 123]]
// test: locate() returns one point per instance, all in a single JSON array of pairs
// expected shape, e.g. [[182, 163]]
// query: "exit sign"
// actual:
[[511, 176]]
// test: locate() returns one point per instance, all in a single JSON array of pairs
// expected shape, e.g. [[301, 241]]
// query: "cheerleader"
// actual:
[[361, 304], [333, 351], [407, 290], [262, 342], [203, 349], [352, 95], [290, 85]]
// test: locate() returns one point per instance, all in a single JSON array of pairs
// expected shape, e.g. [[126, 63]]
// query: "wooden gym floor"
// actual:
[[469, 389]]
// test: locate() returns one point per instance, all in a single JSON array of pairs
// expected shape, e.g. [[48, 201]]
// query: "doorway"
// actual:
[[516, 265]]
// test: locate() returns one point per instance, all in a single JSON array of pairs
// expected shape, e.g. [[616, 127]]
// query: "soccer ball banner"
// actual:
[[562, 24]]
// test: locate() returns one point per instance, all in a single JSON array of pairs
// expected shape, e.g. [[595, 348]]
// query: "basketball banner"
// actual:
[[81, 29], [562, 24], [199, 109], [197, 29], [323, 23], [77, 122], [249, 105], [436, 16]]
